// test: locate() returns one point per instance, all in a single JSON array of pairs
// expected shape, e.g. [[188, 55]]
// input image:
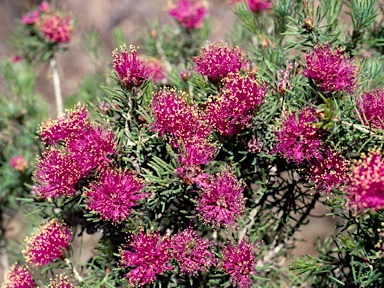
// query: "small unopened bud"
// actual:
[[308, 24], [19, 164], [153, 33]]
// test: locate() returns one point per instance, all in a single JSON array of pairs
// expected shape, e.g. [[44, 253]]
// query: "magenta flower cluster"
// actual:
[[189, 13], [222, 201], [366, 187], [149, 255], [18, 277], [83, 148], [239, 262], [130, 70], [331, 71], [60, 281], [192, 252], [114, 195], [231, 111], [371, 108], [49, 242], [298, 138], [217, 60]]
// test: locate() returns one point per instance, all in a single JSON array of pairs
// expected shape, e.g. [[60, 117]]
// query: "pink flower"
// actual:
[[192, 252], [233, 110], [92, 148], [195, 152], [154, 70], [259, 5], [149, 255], [366, 188], [218, 60], [18, 277], [31, 17], [56, 174], [239, 262], [71, 124], [190, 13], [129, 69], [332, 71], [61, 281], [222, 201], [114, 195], [371, 108], [56, 28], [299, 140], [44, 6], [174, 116], [330, 172], [49, 242], [19, 163]]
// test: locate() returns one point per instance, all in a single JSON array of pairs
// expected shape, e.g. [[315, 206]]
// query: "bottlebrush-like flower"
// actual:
[[49, 242], [19, 163], [259, 5], [149, 255], [217, 60], [173, 115], [192, 252], [56, 174], [239, 262], [330, 172], [57, 28], [60, 281], [233, 110], [92, 148], [44, 7], [332, 71], [371, 108], [222, 201], [155, 69], [366, 188], [189, 13], [31, 17], [18, 277], [73, 122], [114, 195], [130, 70], [299, 140]]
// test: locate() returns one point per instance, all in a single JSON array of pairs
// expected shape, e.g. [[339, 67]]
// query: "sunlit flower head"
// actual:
[[61, 281], [149, 255], [175, 117], [18, 277], [331, 71], [222, 201], [231, 111], [366, 188], [56, 28], [49, 242], [217, 60], [371, 108], [239, 262], [192, 252], [72, 123], [129, 69], [298, 139], [189, 13], [56, 174], [114, 194]]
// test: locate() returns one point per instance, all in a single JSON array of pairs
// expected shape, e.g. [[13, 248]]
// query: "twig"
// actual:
[[75, 272], [56, 86], [360, 128], [160, 50]]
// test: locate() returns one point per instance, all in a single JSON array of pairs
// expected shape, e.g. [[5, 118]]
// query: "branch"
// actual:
[[56, 86]]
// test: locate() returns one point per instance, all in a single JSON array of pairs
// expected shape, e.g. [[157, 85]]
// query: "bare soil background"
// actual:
[[104, 15]]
